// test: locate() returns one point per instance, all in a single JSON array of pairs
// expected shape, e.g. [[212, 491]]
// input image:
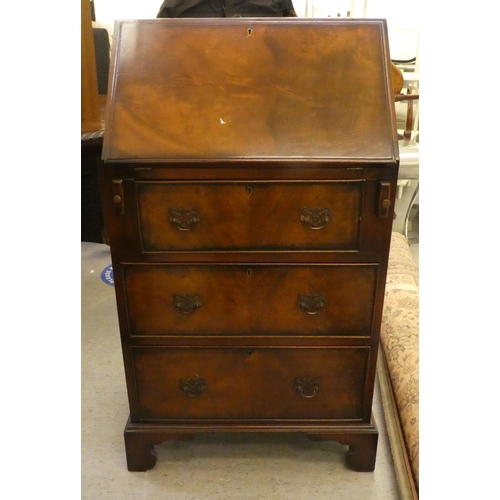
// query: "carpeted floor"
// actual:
[[212, 466]]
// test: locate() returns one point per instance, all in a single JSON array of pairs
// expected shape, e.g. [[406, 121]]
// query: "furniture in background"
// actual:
[[90, 119], [97, 70], [409, 144], [398, 366], [102, 58], [248, 186]]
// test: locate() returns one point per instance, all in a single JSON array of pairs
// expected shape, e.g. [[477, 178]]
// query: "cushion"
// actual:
[[399, 340]]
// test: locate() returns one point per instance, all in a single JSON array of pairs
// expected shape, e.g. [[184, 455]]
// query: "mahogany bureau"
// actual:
[[248, 183]]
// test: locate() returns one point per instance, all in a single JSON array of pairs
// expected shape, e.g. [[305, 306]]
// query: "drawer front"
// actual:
[[249, 215], [218, 383], [223, 299]]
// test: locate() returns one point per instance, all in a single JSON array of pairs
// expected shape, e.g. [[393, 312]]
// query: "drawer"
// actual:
[[204, 216], [251, 299], [263, 383]]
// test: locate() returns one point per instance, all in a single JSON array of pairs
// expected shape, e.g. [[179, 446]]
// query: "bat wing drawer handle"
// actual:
[[306, 387], [311, 303], [184, 218], [316, 217], [187, 303], [192, 387]]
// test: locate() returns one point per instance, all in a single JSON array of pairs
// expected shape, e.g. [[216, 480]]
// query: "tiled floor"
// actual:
[[212, 466]]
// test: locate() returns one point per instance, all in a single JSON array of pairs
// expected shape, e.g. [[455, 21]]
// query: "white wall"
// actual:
[[402, 23]]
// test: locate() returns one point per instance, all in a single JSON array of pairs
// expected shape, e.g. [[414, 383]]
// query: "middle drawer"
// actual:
[[250, 299]]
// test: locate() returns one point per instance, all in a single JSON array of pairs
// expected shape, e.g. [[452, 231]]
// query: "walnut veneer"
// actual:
[[248, 186]]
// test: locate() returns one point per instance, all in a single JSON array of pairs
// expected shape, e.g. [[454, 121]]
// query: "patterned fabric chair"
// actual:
[[398, 367]]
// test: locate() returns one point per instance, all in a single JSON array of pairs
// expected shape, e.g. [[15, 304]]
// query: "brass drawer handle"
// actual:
[[184, 218], [306, 387], [316, 217], [311, 303], [187, 303], [192, 387]]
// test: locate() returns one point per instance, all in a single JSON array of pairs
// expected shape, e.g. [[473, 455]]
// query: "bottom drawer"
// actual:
[[260, 383]]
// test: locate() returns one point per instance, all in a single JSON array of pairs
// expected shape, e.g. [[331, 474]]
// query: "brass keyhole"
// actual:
[[249, 190], [249, 31], [249, 272], [250, 354]]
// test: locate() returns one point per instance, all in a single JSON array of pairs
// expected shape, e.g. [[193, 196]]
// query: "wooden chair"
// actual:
[[409, 142]]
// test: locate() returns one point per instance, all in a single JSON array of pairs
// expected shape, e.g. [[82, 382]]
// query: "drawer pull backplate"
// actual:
[[311, 303], [306, 387], [192, 387], [183, 218], [187, 303], [316, 217]]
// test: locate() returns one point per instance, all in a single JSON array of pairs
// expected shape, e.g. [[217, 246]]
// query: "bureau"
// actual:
[[248, 182]]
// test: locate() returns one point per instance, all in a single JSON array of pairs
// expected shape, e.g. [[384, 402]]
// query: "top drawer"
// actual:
[[237, 216]]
